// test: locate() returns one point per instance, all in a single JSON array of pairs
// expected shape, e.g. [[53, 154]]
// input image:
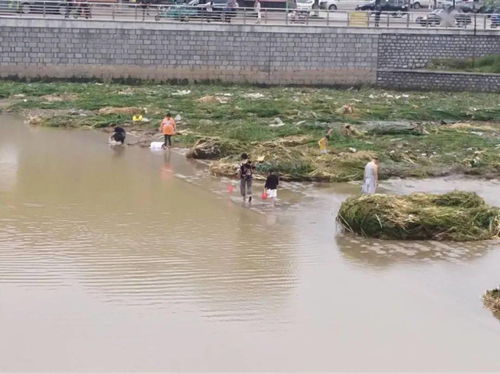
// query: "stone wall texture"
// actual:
[[414, 51], [230, 53], [162, 54], [442, 81]]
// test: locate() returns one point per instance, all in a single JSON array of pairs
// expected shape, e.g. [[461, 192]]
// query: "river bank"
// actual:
[[445, 133]]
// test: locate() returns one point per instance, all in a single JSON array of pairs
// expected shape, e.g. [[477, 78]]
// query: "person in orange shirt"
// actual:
[[167, 127]]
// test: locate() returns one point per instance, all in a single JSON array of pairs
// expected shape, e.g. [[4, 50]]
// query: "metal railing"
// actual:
[[109, 11]]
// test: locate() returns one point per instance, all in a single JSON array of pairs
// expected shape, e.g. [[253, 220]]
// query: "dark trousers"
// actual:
[[246, 187], [119, 137], [69, 8], [168, 140]]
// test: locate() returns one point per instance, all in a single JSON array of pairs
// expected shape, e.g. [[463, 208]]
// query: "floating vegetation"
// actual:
[[491, 300], [456, 216]]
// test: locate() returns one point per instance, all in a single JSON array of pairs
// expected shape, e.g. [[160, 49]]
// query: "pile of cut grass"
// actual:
[[491, 300], [456, 216]]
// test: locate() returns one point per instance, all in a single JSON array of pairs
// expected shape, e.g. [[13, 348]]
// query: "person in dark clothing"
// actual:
[[82, 9], [145, 4], [246, 177], [378, 10], [271, 186], [118, 135], [70, 4]]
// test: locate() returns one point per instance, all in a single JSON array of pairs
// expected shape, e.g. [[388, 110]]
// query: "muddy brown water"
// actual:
[[132, 260]]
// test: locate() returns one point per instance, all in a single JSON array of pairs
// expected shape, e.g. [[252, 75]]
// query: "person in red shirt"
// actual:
[[168, 129]]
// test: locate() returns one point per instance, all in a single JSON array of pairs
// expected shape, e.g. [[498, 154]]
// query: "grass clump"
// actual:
[[491, 300], [485, 64], [456, 216]]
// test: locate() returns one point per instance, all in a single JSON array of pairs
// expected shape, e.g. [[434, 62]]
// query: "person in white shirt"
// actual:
[[257, 7], [371, 177]]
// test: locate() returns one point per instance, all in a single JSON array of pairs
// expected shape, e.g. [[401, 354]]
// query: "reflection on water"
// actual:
[[137, 238], [385, 252], [8, 167], [141, 261]]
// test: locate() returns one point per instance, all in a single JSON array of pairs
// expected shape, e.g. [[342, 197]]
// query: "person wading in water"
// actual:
[[168, 129], [118, 135], [246, 177]]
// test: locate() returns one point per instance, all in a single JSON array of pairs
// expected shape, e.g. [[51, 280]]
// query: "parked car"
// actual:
[[418, 4], [181, 12], [490, 9], [197, 9], [443, 17], [466, 6], [270, 4], [495, 20], [304, 6], [40, 6], [345, 5], [329, 5], [396, 6]]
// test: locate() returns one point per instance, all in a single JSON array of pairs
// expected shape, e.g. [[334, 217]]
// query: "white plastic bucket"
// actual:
[[156, 145]]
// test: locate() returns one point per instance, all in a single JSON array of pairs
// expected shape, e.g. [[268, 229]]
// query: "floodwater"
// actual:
[[131, 260]]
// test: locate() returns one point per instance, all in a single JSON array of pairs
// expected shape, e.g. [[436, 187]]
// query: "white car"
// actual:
[[333, 5], [304, 6], [418, 4]]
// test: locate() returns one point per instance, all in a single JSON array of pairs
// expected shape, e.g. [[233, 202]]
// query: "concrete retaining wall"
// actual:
[[402, 51], [193, 52], [233, 53]]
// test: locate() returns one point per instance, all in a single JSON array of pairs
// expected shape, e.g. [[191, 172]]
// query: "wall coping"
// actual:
[[150, 25]]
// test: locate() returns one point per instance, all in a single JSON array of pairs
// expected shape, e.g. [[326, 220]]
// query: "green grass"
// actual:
[[485, 64], [303, 110]]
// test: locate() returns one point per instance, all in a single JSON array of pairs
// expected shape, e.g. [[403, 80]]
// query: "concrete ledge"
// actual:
[[132, 25]]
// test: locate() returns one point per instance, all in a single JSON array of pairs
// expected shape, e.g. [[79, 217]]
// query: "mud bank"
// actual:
[[414, 134]]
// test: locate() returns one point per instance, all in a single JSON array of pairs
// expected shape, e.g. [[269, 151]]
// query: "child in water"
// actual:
[[168, 128], [271, 186]]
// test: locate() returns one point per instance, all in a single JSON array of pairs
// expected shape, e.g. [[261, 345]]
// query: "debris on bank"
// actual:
[[120, 110], [394, 128], [214, 99], [211, 148], [491, 300], [455, 216]]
